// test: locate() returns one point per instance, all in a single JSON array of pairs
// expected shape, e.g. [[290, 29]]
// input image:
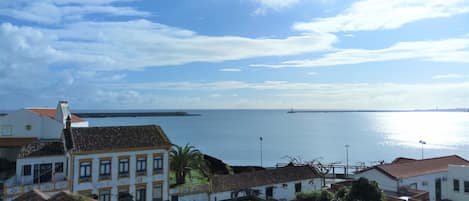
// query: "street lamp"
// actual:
[[260, 140], [422, 143], [346, 155]]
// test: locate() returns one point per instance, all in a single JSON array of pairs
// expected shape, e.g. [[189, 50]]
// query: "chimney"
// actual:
[[68, 122], [62, 112]]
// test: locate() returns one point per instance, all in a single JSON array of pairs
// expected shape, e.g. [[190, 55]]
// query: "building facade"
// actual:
[[30, 125], [103, 162], [429, 175], [279, 184], [458, 182]]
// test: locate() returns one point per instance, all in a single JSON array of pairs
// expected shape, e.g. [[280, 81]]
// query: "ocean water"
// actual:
[[233, 135]]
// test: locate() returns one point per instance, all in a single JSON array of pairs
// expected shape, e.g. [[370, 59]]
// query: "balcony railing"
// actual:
[[16, 187]]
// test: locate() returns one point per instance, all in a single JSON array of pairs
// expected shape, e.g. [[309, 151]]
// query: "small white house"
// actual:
[[279, 183], [30, 125], [429, 175], [97, 161], [458, 180]]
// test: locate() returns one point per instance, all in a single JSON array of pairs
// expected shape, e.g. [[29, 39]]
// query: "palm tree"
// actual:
[[184, 159]]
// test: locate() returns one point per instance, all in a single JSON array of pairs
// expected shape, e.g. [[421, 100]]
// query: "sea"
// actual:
[[234, 136]]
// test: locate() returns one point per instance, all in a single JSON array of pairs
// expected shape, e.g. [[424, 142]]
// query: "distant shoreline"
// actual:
[[130, 114], [416, 110]]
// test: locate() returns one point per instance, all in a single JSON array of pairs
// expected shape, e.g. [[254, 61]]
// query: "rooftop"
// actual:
[[39, 149], [50, 112], [414, 168], [115, 138], [33, 195], [221, 183], [37, 195]]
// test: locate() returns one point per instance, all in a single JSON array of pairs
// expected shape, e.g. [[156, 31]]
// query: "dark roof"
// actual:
[[402, 160], [38, 149], [33, 195], [114, 138], [419, 167], [16, 141], [222, 183]]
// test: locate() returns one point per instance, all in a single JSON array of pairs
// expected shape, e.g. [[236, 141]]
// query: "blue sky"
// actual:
[[124, 54]]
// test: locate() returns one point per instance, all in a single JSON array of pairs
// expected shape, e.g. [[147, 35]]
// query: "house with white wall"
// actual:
[[100, 162], [279, 183], [429, 175], [30, 125], [458, 180]]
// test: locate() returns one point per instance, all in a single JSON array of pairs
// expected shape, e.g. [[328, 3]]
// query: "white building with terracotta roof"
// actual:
[[96, 161], [30, 125], [429, 175]]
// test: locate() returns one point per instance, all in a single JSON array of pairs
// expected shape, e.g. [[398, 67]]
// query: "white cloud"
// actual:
[[277, 4], [49, 12], [282, 94], [448, 76], [447, 50], [370, 15], [231, 69], [107, 45]]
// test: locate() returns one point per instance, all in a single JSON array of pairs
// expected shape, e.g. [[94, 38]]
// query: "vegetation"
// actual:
[[364, 190], [186, 160], [322, 195], [361, 190]]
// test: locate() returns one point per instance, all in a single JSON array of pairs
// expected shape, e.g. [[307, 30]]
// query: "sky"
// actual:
[[234, 54]]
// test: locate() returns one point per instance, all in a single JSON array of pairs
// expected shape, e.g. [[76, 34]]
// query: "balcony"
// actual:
[[13, 187]]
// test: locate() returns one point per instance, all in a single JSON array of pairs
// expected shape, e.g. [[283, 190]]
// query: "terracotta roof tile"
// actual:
[[50, 112], [39, 149], [420, 167], [222, 183], [114, 138]]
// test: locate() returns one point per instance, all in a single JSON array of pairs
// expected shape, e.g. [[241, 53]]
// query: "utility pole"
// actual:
[[422, 143], [346, 156], [260, 140]]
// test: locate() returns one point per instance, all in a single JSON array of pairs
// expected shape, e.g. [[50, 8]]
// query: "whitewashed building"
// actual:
[[458, 177], [429, 175], [102, 162], [279, 183], [30, 125]]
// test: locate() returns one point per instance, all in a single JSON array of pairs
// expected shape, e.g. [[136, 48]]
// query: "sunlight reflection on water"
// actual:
[[440, 130]]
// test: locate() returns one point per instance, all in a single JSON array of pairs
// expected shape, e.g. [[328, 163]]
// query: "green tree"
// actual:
[[364, 190], [341, 194], [184, 159], [322, 195]]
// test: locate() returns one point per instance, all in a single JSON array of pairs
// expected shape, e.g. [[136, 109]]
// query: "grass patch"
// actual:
[[194, 179]]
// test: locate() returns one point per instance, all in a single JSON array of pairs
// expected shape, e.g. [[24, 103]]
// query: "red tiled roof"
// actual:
[[50, 112], [16, 141], [222, 183], [420, 167]]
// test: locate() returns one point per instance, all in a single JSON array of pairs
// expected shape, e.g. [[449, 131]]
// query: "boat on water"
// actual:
[[291, 111]]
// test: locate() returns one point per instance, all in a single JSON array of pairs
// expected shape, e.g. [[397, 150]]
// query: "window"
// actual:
[[104, 195], [85, 171], [140, 193], [59, 167], [158, 165], [297, 187], [6, 130], [104, 169], [157, 192], [456, 185], [124, 167], [141, 165], [123, 193], [466, 186], [26, 170]]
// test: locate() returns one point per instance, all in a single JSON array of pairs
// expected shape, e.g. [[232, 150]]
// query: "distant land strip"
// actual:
[[415, 110], [131, 114]]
